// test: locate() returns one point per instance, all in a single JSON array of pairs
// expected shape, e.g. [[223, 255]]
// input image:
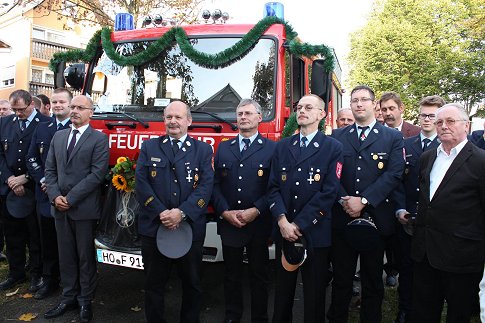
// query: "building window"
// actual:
[[37, 75], [41, 75], [7, 76]]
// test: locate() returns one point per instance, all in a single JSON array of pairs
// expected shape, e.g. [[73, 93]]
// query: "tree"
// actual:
[[102, 12], [419, 48]]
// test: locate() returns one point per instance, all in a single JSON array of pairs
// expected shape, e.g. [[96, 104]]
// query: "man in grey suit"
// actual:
[[75, 168]]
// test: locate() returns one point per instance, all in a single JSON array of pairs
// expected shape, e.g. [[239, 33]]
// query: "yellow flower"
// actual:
[[121, 159], [119, 182]]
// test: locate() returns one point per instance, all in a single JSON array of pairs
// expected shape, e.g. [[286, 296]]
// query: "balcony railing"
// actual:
[[43, 49], [47, 89]]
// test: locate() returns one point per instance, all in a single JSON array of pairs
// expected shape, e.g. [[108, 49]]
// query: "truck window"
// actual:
[[145, 90]]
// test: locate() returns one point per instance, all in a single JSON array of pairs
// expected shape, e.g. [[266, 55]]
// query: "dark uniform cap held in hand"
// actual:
[[293, 253], [21, 206]]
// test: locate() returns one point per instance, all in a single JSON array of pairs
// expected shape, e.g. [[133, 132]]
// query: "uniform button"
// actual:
[[175, 181], [223, 165], [358, 168], [20, 150], [356, 192], [297, 183], [238, 202], [20, 168], [299, 169], [294, 210], [19, 159], [387, 200], [357, 180], [417, 189], [239, 190], [173, 168], [296, 197], [20, 141], [360, 157], [240, 177], [260, 165], [174, 194], [241, 165]]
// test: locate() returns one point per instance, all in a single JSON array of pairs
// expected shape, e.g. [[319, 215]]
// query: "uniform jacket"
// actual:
[[79, 178], [14, 146], [36, 158], [450, 229], [165, 182], [477, 137], [409, 130], [413, 147], [240, 183], [304, 185], [372, 169]]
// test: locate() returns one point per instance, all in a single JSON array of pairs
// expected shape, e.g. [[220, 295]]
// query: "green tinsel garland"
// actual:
[[177, 34], [292, 125]]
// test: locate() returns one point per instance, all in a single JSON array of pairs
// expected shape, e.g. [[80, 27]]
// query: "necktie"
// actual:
[[246, 145], [23, 125], [72, 143], [303, 143], [426, 142], [59, 126], [175, 146], [362, 133]]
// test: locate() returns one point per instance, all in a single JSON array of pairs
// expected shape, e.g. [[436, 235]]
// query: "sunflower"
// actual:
[[121, 160], [119, 182]]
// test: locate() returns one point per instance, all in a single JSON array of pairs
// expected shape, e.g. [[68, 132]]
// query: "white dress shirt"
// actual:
[[441, 165]]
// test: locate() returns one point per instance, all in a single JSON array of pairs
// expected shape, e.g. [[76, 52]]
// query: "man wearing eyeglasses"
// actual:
[[20, 228], [372, 169], [36, 158], [303, 185], [448, 245], [392, 110], [75, 168], [408, 203], [242, 166]]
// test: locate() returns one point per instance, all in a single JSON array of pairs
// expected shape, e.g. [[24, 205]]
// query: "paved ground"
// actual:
[[119, 298]]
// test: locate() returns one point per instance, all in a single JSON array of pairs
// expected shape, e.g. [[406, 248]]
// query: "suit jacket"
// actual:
[[36, 158], [409, 130], [304, 185], [450, 229], [80, 176], [372, 169], [413, 147], [14, 146], [240, 183], [166, 182], [477, 137]]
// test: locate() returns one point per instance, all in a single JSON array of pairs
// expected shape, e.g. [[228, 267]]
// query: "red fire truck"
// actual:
[[130, 96]]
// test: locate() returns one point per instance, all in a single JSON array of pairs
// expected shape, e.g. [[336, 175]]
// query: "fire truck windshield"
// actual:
[[145, 90]]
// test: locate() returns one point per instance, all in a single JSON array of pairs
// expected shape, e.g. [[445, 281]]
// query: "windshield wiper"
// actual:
[[144, 124], [215, 116]]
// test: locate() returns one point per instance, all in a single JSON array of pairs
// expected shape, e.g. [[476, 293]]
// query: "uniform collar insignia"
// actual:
[[351, 130], [165, 140], [376, 131], [316, 144], [233, 142], [260, 141]]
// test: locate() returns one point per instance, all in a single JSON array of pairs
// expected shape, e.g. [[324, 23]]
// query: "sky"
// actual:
[[328, 22]]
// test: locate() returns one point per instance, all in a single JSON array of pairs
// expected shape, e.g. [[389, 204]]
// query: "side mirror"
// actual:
[[74, 75], [59, 80], [321, 82]]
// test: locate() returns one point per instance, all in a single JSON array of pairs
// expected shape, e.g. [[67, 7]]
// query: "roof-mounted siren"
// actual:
[[74, 75], [124, 21], [217, 16], [274, 9]]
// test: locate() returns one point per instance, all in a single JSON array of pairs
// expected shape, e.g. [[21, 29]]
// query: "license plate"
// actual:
[[119, 259]]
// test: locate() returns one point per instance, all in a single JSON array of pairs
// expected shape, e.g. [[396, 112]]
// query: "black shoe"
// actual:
[[46, 290], [2, 257], [36, 283], [391, 281], [402, 317], [11, 282], [59, 310], [86, 313]]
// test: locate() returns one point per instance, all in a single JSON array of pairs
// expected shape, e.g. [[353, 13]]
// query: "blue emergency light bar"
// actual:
[[124, 21], [274, 9]]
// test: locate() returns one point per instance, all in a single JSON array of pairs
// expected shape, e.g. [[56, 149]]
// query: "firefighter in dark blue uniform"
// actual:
[[240, 200], [15, 136], [174, 180], [478, 137], [36, 157], [408, 203], [373, 166], [303, 186]]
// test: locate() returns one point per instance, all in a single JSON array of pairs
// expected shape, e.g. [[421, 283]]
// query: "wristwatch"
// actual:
[[184, 216], [364, 201]]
